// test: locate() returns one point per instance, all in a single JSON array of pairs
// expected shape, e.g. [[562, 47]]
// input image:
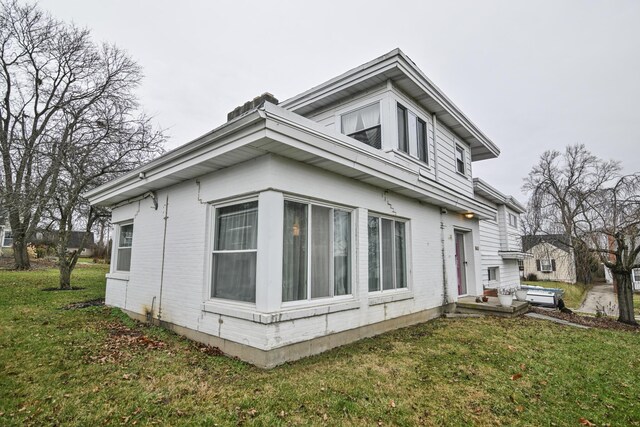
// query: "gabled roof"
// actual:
[[396, 66], [560, 241], [483, 189]]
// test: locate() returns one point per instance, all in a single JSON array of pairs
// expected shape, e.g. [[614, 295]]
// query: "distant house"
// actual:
[[49, 237], [551, 257], [294, 227], [500, 239]]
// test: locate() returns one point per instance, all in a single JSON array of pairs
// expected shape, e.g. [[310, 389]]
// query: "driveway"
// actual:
[[601, 298]]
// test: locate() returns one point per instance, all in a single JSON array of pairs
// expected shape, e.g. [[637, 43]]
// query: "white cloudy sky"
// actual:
[[533, 75]]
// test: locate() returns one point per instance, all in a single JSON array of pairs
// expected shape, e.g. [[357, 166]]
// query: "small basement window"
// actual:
[[363, 124]]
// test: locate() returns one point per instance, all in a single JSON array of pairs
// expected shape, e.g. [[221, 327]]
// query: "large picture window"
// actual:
[[387, 254], [235, 252], [363, 124], [316, 252], [125, 242]]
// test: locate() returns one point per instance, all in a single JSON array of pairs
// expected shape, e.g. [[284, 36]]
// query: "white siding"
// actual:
[[446, 144]]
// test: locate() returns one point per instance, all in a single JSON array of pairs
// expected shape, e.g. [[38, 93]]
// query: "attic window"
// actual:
[[363, 124]]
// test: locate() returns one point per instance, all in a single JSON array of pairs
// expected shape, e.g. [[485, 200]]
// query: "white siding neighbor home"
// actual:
[[551, 258], [295, 227], [500, 238]]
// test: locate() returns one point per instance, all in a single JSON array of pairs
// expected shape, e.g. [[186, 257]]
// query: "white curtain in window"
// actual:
[[234, 272], [320, 251], [342, 252], [401, 270], [387, 253], [125, 241], [364, 118], [294, 260], [374, 254], [237, 227]]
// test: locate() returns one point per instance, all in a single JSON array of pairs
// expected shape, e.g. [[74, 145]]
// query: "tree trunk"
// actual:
[[65, 275], [20, 254], [624, 288]]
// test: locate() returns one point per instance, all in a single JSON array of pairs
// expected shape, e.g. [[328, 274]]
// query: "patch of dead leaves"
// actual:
[[121, 341]]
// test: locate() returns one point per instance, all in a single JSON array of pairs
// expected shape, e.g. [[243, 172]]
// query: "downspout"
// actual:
[[164, 243], [445, 285]]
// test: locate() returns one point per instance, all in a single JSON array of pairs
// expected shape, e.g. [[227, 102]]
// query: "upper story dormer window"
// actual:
[[513, 220], [363, 124], [403, 135], [423, 149], [460, 166]]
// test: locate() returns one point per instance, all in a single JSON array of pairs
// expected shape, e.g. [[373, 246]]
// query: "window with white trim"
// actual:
[[546, 265], [125, 242], [513, 220], [363, 124], [316, 259], [235, 252], [7, 239], [636, 274], [460, 165], [387, 254], [403, 129], [494, 273], [423, 148]]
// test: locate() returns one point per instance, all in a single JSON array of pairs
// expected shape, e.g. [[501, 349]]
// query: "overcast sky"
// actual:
[[533, 75]]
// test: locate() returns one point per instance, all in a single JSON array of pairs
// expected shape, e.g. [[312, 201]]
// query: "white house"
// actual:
[[340, 213], [500, 238], [551, 257]]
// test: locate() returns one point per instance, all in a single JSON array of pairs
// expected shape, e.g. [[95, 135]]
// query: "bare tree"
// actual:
[[53, 79], [109, 140], [609, 221], [558, 187]]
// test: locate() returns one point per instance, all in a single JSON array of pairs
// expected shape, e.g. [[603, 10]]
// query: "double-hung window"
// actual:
[[460, 166], [493, 273], [363, 124], [387, 254], [513, 220], [235, 252], [403, 134], [125, 242], [316, 251], [7, 239], [546, 265]]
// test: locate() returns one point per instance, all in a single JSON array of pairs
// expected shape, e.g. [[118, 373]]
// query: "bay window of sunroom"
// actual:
[[316, 251]]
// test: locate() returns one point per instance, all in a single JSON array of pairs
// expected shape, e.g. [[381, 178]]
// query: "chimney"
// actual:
[[257, 102]]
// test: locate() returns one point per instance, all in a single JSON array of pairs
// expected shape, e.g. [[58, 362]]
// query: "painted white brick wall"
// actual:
[[185, 279]]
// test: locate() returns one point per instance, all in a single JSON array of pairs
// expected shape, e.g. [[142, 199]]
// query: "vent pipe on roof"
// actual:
[[257, 102]]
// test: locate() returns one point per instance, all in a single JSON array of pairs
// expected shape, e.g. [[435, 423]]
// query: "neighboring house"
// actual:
[[551, 257], [500, 239], [340, 213], [48, 237]]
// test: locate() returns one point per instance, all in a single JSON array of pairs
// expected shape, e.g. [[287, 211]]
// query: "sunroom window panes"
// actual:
[[363, 124], [387, 254], [235, 252], [125, 241], [295, 255], [374, 254], [316, 263], [341, 252]]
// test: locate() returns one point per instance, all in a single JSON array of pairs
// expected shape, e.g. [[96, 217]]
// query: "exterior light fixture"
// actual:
[[469, 215]]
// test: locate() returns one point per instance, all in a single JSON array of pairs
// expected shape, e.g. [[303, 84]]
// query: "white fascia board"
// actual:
[[296, 131], [210, 143], [394, 59], [491, 193]]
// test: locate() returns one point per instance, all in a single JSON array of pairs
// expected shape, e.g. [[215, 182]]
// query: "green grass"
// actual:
[[574, 294], [66, 367]]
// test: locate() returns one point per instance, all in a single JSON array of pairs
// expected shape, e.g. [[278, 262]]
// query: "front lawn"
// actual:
[[94, 366], [574, 294]]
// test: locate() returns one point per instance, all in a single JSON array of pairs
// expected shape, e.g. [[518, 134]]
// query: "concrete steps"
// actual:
[[468, 305]]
